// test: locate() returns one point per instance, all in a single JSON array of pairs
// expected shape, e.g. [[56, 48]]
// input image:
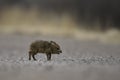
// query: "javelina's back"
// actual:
[[40, 45]]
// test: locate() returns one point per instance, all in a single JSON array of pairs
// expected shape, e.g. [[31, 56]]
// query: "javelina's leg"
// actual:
[[33, 55], [30, 55], [48, 56]]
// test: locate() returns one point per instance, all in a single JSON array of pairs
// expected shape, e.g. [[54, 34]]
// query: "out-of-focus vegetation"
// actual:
[[84, 19]]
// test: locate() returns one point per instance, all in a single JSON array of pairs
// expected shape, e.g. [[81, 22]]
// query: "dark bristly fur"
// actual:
[[44, 47]]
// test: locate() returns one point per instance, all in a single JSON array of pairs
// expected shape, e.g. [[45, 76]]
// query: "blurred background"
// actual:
[[81, 19]]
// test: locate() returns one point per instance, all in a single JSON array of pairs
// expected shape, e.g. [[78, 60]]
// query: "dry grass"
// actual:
[[15, 20]]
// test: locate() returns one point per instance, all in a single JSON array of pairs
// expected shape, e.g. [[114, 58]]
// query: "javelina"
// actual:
[[44, 47]]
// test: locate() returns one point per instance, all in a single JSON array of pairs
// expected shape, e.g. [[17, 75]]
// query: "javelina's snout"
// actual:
[[60, 51], [44, 47]]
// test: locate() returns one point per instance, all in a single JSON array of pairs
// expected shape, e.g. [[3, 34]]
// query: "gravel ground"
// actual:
[[80, 60]]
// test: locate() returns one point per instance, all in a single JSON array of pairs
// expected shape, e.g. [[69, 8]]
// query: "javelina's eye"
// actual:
[[57, 48]]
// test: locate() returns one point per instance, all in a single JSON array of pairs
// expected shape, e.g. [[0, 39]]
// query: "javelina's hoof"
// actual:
[[29, 59], [34, 59], [48, 59]]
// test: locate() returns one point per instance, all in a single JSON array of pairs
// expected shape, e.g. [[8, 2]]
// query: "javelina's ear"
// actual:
[[52, 42]]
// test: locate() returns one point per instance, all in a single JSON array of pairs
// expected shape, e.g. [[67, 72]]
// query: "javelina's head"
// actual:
[[55, 47]]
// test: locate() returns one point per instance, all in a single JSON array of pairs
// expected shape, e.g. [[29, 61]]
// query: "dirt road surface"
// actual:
[[80, 60]]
